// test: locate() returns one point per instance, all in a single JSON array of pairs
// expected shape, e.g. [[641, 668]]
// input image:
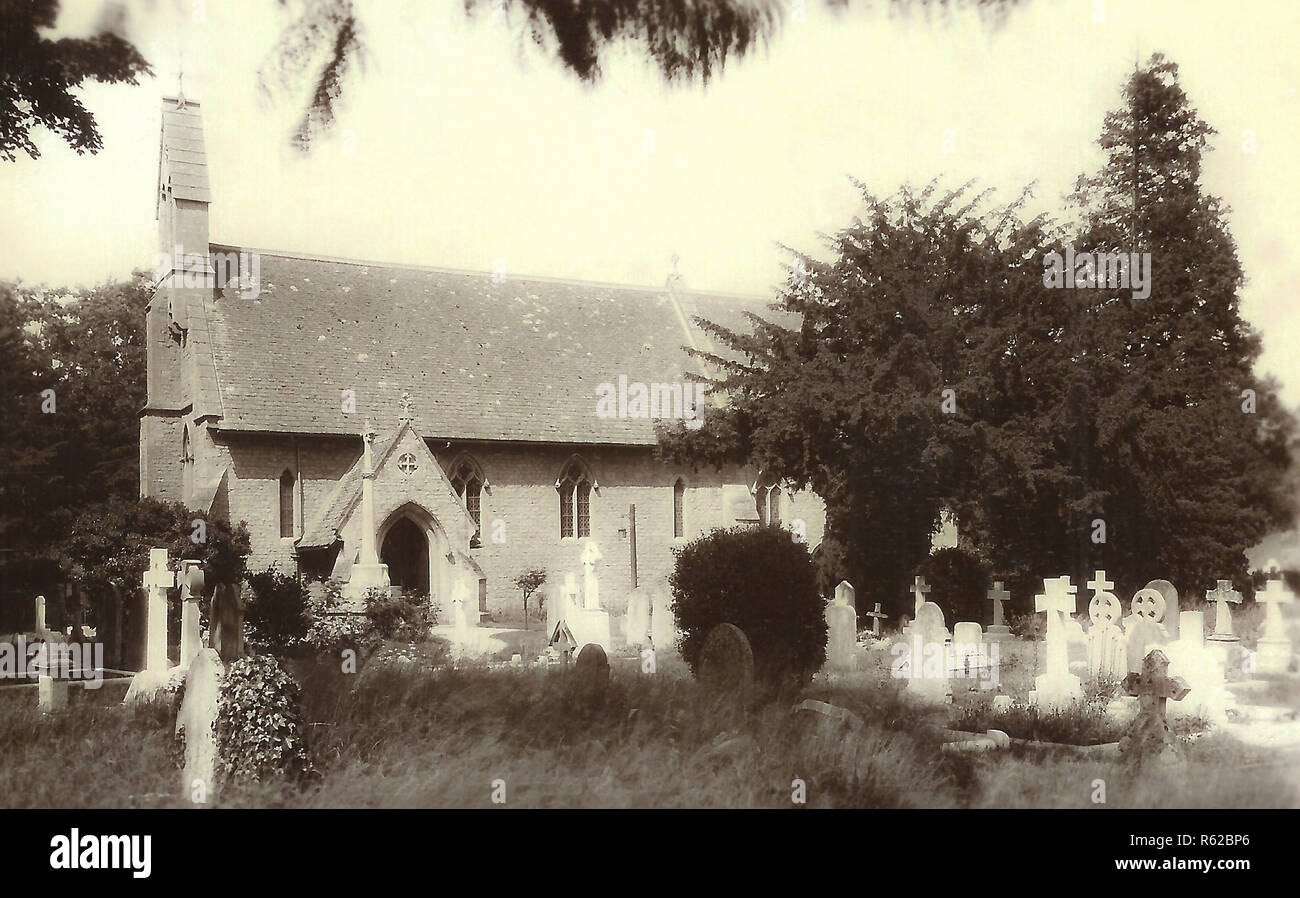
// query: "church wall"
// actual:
[[160, 462], [519, 509]]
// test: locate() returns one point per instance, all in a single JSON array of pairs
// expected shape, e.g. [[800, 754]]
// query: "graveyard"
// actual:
[[928, 714]]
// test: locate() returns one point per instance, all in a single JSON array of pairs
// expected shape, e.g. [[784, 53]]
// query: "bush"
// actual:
[[332, 631], [277, 611], [959, 585], [761, 580], [260, 732], [406, 615]]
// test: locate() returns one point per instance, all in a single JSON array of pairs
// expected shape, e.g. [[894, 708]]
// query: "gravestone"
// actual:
[[1172, 608], [558, 604], [1056, 687], [1107, 646], [1144, 628], [636, 623], [726, 660], [196, 720], [1273, 650], [191, 583], [1201, 668], [226, 627], [157, 580], [663, 623], [998, 631], [876, 617], [927, 654], [588, 622], [919, 590], [967, 650], [42, 629], [52, 694], [592, 673], [1224, 597], [842, 630], [1148, 735]]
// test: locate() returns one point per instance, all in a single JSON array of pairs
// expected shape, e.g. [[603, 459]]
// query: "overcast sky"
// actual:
[[463, 144]]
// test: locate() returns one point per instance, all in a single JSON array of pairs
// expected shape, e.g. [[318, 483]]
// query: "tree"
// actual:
[[529, 582], [72, 379], [885, 378], [38, 75], [933, 363]]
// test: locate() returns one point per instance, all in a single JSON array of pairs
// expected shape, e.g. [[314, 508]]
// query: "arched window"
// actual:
[[286, 503], [187, 466], [467, 480], [574, 487], [767, 499], [679, 494]]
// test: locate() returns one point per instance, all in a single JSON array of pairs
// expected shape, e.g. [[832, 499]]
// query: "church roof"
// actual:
[[519, 359]]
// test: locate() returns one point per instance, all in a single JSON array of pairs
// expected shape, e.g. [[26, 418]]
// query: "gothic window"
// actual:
[[286, 504], [679, 494], [767, 500], [467, 480], [574, 487]]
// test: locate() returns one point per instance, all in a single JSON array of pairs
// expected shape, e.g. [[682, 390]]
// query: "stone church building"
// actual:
[[502, 410]]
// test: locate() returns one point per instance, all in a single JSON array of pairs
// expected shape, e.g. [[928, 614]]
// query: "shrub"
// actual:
[[959, 585], [277, 611], [331, 631], [260, 732], [404, 615], [761, 580]]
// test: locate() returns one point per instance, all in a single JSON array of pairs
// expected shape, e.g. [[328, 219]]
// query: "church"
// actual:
[[436, 430]]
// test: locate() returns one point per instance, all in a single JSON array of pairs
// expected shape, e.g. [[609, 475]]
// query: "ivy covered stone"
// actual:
[[260, 730]]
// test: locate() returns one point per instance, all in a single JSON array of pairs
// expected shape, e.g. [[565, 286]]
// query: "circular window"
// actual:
[[407, 463]]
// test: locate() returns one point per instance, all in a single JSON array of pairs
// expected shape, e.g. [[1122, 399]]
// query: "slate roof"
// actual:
[[518, 360]]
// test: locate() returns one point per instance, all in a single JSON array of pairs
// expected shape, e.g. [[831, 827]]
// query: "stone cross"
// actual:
[[156, 580], [1150, 731], [1275, 595], [1056, 685], [876, 616], [919, 589], [997, 595], [1221, 595]]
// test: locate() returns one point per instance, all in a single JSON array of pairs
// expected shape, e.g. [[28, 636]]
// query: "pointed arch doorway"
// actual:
[[405, 549]]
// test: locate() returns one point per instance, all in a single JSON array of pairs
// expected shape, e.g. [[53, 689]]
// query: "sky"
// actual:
[[463, 145]]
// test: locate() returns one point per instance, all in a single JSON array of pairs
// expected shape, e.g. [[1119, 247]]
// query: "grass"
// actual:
[[410, 736]]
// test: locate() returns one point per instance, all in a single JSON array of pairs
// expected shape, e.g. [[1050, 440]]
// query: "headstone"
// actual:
[[191, 583], [967, 649], [562, 598], [726, 660], [157, 580], [1201, 668], [1143, 626], [842, 630], [1172, 609], [590, 588], [1273, 650], [663, 623], [927, 654], [1224, 597], [592, 671], [636, 623], [876, 617], [1149, 735], [1056, 687], [226, 628], [197, 720], [998, 631], [1106, 644], [52, 694]]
